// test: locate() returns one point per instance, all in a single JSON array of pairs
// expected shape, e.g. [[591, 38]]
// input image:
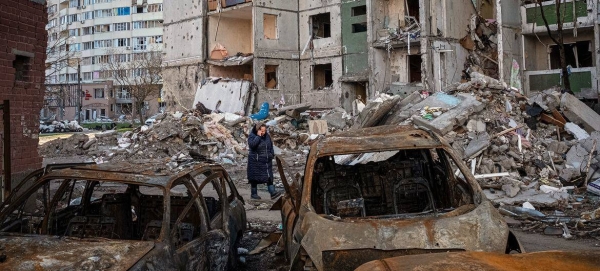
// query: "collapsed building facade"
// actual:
[[331, 53]]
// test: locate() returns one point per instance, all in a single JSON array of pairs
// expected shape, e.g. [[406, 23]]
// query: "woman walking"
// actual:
[[260, 160]]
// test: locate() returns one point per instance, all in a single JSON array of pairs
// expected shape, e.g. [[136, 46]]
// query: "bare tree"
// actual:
[[558, 40], [60, 58], [138, 73]]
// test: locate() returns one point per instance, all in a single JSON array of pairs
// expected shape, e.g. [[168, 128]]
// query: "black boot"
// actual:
[[254, 193], [274, 194]]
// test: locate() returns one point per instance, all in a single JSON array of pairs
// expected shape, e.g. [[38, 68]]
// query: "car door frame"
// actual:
[[290, 208], [188, 250]]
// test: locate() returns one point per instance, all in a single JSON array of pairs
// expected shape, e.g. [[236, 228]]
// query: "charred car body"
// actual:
[[385, 192], [122, 217], [545, 260]]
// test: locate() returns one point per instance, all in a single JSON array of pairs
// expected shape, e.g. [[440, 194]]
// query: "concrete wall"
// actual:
[[184, 51], [23, 34], [233, 33], [321, 98], [288, 84], [536, 53], [325, 47], [180, 84], [286, 45], [509, 38]]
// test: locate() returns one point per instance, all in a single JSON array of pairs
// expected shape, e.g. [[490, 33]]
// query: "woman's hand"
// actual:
[[260, 133]]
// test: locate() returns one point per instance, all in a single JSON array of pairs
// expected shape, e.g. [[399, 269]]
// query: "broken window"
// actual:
[[389, 183], [21, 66], [360, 10], [414, 65], [271, 78], [359, 27], [321, 25], [322, 76], [270, 26], [88, 209], [413, 8], [578, 55]]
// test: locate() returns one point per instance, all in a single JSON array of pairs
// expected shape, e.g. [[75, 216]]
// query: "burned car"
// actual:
[[488, 261], [125, 216], [383, 192]]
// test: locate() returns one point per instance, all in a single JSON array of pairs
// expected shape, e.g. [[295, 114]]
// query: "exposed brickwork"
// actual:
[[23, 37]]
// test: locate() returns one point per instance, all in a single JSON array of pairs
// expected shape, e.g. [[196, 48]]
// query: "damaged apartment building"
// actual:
[[329, 53]]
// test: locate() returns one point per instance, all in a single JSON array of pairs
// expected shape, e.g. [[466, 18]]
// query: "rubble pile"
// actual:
[[64, 147], [482, 44], [537, 151]]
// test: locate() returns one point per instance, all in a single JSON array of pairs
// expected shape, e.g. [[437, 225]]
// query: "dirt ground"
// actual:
[[262, 222]]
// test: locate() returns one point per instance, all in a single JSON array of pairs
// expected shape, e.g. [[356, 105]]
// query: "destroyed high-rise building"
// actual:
[[331, 53]]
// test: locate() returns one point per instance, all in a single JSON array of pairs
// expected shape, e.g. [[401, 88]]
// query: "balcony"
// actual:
[[582, 80], [578, 11], [213, 4]]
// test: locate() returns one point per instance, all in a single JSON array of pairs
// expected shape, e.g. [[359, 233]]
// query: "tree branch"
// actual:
[[539, 2]]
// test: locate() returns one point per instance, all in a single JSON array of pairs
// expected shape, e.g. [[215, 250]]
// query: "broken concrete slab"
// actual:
[[536, 198], [578, 112], [557, 147], [226, 96], [458, 108], [476, 126], [477, 145], [318, 127], [577, 156], [511, 189], [299, 108], [375, 111], [400, 112], [576, 131], [336, 118]]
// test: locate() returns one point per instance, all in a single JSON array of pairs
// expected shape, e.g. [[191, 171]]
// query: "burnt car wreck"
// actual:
[[123, 217], [385, 192]]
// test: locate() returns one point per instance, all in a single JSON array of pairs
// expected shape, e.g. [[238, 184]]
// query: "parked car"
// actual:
[[486, 261], [122, 216], [101, 123], [382, 192], [151, 120]]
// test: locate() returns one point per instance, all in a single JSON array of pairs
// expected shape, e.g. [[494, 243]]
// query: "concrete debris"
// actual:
[[477, 145], [375, 111], [337, 118], [457, 111], [576, 131], [318, 127], [235, 96], [578, 112]]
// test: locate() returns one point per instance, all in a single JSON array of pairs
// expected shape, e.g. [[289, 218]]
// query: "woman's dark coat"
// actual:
[[260, 157]]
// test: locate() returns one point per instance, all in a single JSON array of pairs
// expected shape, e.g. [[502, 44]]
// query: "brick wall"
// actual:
[[23, 41]]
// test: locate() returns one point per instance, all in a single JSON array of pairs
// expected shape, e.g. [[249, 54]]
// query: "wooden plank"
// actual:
[[548, 119], [557, 115]]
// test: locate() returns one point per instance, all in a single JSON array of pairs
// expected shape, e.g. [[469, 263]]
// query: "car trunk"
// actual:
[[42, 252]]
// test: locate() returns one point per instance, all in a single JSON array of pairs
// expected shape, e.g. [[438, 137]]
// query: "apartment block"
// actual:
[[331, 53], [84, 35], [541, 56]]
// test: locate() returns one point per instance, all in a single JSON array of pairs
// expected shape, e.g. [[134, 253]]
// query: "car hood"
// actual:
[[479, 228], [41, 252]]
